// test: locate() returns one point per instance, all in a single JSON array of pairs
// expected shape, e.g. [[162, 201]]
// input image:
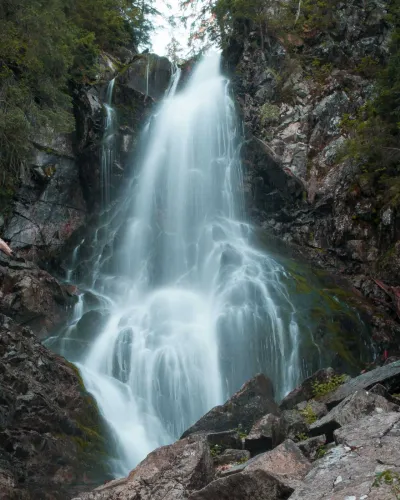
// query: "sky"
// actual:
[[163, 32]]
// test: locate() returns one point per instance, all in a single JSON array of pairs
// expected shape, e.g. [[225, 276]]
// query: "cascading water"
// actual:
[[194, 310], [108, 147]]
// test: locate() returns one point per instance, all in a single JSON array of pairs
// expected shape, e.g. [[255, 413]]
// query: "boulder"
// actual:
[[310, 447], [265, 434], [305, 391], [225, 440], [255, 485], [388, 376], [50, 429], [368, 451], [169, 473], [293, 423], [243, 409], [286, 462], [354, 407]]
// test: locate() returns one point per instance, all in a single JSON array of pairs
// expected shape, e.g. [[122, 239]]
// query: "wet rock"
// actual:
[[265, 434], [50, 429], [285, 462], [388, 376], [305, 391], [366, 448], [232, 456], [257, 485], [148, 74], [310, 447], [244, 408], [169, 473], [354, 407]]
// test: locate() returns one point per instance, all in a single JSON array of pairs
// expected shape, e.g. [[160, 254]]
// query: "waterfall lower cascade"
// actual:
[[193, 309]]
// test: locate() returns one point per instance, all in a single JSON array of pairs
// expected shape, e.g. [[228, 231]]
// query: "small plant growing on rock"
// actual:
[[391, 478], [321, 452], [215, 450], [309, 414], [301, 437], [242, 433], [242, 461], [269, 113], [322, 388]]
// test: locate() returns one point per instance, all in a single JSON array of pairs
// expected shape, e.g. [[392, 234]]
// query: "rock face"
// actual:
[[50, 442], [169, 473], [293, 92], [255, 399], [32, 297], [367, 453], [354, 407]]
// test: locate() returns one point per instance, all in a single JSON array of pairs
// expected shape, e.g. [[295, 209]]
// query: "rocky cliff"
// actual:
[[294, 92]]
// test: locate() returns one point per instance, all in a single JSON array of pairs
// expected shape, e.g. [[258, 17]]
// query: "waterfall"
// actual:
[[191, 308], [108, 147]]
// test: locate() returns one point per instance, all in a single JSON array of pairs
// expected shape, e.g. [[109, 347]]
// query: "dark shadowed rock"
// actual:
[[169, 473], [305, 391], [50, 442], [354, 407], [388, 376], [148, 74], [366, 448], [251, 402], [286, 462], [226, 439], [265, 434], [232, 456], [256, 485], [310, 447]]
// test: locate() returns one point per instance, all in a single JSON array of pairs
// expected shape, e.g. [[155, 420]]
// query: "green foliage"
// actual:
[[215, 450], [45, 45], [323, 388], [391, 478], [321, 452], [301, 437], [242, 432], [309, 414]]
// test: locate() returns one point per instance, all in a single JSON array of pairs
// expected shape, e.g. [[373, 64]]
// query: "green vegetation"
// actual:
[[216, 450], [242, 432], [309, 414], [301, 437], [321, 452], [322, 388], [45, 47], [391, 478]]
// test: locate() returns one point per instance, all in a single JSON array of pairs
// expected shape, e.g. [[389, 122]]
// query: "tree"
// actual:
[[174, 51]]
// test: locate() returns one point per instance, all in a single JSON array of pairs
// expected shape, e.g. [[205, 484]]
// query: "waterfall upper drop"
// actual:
[[193, 309]]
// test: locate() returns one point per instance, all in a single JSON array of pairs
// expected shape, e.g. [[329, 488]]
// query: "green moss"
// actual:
[[321, 452], [322, 388], [390, 478], [216, 450]]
